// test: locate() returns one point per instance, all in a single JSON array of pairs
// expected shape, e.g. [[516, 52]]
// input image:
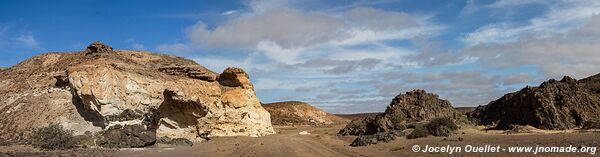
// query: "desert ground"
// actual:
[[322, 141]]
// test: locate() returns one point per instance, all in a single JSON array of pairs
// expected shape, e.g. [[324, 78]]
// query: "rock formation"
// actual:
[[98, 48], [299, 113], [554, 105], [411, 107], [404, 111], [113, 92]]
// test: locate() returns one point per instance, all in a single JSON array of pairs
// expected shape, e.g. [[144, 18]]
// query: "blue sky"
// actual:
[[341, 56]]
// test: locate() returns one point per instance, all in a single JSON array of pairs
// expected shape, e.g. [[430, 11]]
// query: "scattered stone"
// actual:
[[304, 133], [182, 142], [366, 140]]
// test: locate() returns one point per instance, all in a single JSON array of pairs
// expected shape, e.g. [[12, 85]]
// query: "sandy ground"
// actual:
[[323, 142]]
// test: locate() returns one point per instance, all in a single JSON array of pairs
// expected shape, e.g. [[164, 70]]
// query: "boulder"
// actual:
[[554, 105], [235, 77], [129, 136]]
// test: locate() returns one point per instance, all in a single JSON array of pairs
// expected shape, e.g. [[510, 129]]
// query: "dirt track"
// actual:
[[287, 142], [323, 142]]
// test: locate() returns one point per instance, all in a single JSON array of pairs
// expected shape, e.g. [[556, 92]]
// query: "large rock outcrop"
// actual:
[[111, 92], [405, 109], [554, 105], [299, 113]]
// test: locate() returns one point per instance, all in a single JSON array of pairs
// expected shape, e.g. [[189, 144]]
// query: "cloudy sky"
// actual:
[[342, 56]]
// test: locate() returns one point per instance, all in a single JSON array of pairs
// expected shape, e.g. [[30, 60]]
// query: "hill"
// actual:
[[299, 113], [554, 105]]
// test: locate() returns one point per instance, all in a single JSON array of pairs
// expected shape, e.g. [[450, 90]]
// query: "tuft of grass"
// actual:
[[418, 132], [437, 127], [53, 137], [441, 126]]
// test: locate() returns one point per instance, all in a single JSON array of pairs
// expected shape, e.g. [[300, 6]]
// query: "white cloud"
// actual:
[[572, 53], [518, 78], [230, 12], [512, 3], [27, 40], [561, 17]]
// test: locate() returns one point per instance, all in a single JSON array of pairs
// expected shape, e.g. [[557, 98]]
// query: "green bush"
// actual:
[[441, 126], [53, 137], [418, 132]]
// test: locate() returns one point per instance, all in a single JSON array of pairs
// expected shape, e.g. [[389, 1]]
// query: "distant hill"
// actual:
[[299, 113], [464, 110]]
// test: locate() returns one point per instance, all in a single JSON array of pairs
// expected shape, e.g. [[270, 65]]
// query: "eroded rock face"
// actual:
[[197, 72], [98, 93], [553, 105], [413, 106], [299, 113]]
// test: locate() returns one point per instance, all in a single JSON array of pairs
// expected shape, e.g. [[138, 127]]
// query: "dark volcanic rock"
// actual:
[[414, 106], [553, 105], [176, 141], [404, 111], [129, 136], [98, 47], [366, 140]]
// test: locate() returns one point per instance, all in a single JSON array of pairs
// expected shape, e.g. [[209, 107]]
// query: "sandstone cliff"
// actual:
[[555, 105], [110, 92], [299, 113]]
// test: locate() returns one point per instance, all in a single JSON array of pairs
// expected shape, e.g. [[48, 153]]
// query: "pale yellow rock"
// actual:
[[102, 90]]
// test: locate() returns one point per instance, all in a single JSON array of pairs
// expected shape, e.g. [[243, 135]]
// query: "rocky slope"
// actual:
[[555, 105], [405, 111], [591, 83], [412, 107], [299, 113], [112, 93]]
